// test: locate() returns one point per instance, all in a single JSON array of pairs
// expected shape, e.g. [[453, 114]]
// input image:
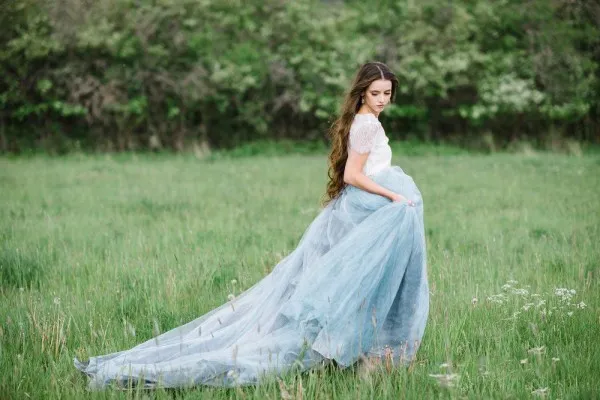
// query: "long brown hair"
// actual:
[[340, 129]]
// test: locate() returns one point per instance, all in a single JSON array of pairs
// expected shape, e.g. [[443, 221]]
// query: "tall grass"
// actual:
[[99, 253]]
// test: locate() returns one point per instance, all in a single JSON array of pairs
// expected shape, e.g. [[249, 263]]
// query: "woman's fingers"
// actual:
[[398, 198], [401, 199]]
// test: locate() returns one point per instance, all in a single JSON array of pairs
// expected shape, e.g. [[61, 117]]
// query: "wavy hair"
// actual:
[[340, 129]]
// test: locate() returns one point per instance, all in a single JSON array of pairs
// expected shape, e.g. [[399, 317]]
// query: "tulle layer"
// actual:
[[355, 285]]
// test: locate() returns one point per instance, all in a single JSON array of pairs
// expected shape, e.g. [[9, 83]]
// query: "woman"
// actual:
[[354, 287]]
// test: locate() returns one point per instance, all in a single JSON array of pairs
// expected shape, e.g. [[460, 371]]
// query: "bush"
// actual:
[[133, 74]]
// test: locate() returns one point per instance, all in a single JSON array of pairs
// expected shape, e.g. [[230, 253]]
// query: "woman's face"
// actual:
[[378, 95]]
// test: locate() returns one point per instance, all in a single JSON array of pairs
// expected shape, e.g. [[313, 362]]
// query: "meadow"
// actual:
[[101, 252]]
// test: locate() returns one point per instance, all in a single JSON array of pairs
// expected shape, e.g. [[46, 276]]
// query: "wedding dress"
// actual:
[[356, 285]]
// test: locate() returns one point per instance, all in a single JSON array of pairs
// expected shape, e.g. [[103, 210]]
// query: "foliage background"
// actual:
[[150, 74]]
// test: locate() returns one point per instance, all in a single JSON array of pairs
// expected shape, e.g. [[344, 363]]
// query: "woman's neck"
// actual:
[[365, 109]]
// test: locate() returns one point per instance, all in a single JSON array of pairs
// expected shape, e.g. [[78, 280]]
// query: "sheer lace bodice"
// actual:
[[367, 136]]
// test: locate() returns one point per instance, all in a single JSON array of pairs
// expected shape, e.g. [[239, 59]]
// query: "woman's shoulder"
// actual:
[[365, 122]]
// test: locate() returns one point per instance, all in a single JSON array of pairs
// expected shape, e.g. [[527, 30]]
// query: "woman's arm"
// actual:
[[354, 176]]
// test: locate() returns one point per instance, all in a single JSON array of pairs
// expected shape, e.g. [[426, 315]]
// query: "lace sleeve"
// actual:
[[362, 137]]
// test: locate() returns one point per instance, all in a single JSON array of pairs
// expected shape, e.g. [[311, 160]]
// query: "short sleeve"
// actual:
[[362, 137]]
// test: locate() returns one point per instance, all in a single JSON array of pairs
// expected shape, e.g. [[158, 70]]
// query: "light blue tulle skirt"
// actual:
[[356, 285]]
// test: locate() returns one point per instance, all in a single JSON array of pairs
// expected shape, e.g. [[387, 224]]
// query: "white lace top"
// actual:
[[367, 136]]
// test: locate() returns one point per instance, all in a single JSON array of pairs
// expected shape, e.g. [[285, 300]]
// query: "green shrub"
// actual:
[[127, 75]]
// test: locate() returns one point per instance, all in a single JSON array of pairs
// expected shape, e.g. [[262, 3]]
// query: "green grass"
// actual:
[[97, 248]]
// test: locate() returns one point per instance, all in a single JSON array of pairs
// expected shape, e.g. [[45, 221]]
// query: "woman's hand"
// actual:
[[398, 198]]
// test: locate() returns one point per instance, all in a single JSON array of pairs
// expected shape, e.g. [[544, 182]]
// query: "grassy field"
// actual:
[[98, 253]]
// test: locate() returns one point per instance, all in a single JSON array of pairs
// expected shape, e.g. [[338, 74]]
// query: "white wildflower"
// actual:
[[542, 392], [497, 298], [57, 301], [524, 361], [570, 313], [233, 281], [537, 350], [474, 300], [581, 305], [541, 303], [521, 292], [510, 287], [527, 306], [555, 359], [565, 294], [445, 380], [230, 297]]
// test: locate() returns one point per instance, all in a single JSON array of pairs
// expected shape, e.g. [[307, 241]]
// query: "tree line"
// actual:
[[114, 75]]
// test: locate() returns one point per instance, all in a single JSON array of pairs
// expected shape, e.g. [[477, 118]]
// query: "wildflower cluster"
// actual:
[[560, 301], [565, 295]]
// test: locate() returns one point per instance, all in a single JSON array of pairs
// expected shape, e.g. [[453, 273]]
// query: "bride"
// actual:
[[355, 287]]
